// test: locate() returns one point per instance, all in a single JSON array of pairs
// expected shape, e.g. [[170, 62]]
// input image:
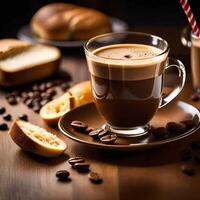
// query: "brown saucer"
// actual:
[[175, 111]]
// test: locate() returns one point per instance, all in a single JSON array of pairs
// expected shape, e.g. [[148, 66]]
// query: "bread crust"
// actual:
[[61, 21], [11, 47]]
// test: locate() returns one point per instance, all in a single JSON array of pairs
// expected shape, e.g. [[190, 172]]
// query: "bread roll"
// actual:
[[22, 62], [60, 21]]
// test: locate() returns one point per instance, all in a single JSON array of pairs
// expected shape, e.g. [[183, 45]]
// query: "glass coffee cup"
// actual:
[[127, 71]]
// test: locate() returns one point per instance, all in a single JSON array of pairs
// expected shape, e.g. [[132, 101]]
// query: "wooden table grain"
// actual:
[[150, 175]]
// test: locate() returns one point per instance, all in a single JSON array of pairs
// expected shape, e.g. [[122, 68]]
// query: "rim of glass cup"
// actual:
[[91, 54]]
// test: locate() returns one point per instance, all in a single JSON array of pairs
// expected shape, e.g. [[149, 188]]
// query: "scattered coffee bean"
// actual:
[[12, 101], [51, 92], [72, 161], [2, 110], [186, 155], [44, 102], [189, 124], [109, 139], [89, 129], [95, 133], [194, 97], [36, 108], [95, 177], [29, 103], [82, 167], [7, 117], [160, 133], [62, 175], [175, 128], [188, 169], [23, 117], [79, 126], [24, 95], [35, 87], [64, 86], [49, 85], [36, 94], [14, 93], [42, 87], [3, 127], [103, 132], [30, 94]]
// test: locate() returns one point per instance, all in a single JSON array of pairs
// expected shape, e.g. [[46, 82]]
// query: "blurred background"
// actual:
[[161, 17]]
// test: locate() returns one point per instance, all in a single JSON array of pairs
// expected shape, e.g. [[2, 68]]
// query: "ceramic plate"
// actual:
[[175, 111], [26, 34]]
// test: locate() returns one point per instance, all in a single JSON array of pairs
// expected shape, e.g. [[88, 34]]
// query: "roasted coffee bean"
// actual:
[[186, 155], [79, 126], [49, 85], [35, 87], [51, 92], [2, 110], [12, 101], [64, 86], [188, 169], [175, 128], [29, 103], [30, 94], [82, 167], [103, 132], [15, 93], [7, 117], [109, 139], [189, 124], [95, 177], [24, 94], [36, 94], [44, 102], [57, 82], [62, 175], [89, 129], [3, 127], [160, 132], [95, 133], [36, 101], [194, 97], [23, 117], [73, 160], [36, 108], [42, 87]]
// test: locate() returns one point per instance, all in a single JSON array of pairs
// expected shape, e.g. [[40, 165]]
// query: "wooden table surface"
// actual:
[[153, 174]]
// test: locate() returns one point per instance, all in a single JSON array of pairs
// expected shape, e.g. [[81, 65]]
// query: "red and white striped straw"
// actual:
[[187, 9]]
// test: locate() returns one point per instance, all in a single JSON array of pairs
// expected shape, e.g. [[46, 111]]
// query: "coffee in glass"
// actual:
[[127, 79]]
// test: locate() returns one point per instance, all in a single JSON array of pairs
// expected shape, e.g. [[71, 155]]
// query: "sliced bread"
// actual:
[[21, 62]]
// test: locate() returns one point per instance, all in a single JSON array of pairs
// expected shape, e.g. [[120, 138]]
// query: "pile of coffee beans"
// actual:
[[98, 134], [8, 118], [81, 166], [191, 158], [172, 129], [37, 95]]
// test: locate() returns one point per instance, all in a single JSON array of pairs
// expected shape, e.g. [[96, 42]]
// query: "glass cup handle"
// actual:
[[181, 80]]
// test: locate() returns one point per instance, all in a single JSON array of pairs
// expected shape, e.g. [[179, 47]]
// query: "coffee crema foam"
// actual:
[[127, 62]]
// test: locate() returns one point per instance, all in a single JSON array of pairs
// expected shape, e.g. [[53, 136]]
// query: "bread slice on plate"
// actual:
[[21, 62]]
